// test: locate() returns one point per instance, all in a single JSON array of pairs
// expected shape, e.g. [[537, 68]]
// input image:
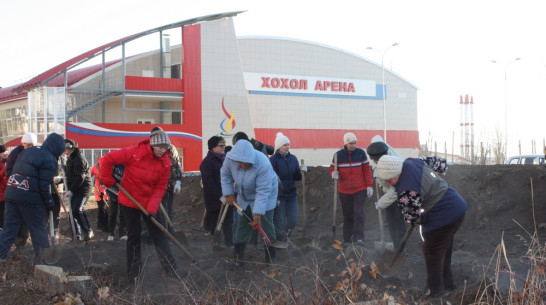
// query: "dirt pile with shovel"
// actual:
[[313, 269]]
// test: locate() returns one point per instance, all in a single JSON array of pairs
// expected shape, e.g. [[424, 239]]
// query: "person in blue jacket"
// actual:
[[426, 199], [288, 169], [248, 173], [28, 192]]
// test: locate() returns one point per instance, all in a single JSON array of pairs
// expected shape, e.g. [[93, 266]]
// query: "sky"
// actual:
[[445, 49]]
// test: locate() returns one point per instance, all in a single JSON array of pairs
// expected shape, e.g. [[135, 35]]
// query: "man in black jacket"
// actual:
[[79, 185], [28, 192]]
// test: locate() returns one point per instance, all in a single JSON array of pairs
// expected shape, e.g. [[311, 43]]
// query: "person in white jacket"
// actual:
[[249, 174]]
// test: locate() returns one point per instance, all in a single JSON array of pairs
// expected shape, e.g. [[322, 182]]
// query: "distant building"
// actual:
[[196, 79]]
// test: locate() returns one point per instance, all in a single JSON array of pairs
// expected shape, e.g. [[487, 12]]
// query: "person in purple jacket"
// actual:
[[212, 189], [427, 200]]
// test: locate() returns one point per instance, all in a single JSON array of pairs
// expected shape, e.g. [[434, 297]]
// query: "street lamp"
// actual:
[[506, 65], [383, 86]]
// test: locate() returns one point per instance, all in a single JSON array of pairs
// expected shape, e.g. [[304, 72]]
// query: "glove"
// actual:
[[177, 186], [303, 168], [369, 191], [376, 205], [230, 199], [335, 175], [68, 195], [57, 179]]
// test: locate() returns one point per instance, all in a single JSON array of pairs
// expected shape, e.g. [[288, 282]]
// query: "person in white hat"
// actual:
[[355, 183], [288, 169], [426, 199]]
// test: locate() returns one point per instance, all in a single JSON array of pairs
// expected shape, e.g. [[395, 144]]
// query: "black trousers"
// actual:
[[133, 247], [211, 219], [397, 226], [437, 250]]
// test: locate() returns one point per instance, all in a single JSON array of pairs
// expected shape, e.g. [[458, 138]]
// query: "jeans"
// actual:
[[14, 214], [77, 203], [286, 216], [113, 218], [243, 231], [353, 215], [133, 247]]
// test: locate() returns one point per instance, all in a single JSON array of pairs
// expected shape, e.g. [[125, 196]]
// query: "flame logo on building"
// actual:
[[228, 123]]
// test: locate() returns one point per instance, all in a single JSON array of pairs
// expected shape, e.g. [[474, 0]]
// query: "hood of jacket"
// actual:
[[243, 151], [55, 144]]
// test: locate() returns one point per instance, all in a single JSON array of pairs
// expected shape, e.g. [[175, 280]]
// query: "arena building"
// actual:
[[196, 79]]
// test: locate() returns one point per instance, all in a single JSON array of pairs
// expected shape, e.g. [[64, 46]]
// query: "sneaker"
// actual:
[[78, 237], [124, 237], [111, 238], [88, 235]]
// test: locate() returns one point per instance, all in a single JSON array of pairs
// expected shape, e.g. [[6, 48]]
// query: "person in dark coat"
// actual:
[[28, 140], [427, 200], [113, 203], [287, 168], [80, 187], [3, 181], [212, 189], [28, 192]]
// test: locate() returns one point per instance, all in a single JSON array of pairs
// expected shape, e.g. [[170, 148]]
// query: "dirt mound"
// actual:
[[500, 209]]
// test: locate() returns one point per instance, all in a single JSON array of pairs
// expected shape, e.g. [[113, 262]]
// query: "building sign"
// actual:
[[263, 83]]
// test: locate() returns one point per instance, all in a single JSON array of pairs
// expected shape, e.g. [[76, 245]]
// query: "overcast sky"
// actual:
[[445, 48]]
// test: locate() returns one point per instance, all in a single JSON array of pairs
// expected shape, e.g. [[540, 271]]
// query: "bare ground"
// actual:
[[503, 209]]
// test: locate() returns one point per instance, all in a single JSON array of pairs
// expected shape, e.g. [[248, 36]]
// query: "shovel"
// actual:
[[218, 231], [392, 261], [143, 210], [53, 254], [381, 244], [304, 208], [335, 199], [178, 235], [262, 233]]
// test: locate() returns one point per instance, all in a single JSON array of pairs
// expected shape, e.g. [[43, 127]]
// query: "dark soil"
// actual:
[[507, 205]]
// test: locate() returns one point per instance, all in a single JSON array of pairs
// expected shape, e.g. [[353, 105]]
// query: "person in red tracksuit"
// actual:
[[147, 171], [101, 198], [354, 184]]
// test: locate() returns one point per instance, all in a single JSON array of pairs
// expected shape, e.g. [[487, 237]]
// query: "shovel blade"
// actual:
[[52, 255], [390, 263]]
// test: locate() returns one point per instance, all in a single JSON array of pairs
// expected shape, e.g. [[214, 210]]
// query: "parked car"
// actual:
[[526, 159]]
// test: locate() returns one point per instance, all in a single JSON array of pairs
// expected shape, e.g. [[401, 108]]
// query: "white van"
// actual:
[[526, 159]]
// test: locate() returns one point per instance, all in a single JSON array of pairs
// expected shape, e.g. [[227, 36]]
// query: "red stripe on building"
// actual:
[[153, 84], [333, 138]]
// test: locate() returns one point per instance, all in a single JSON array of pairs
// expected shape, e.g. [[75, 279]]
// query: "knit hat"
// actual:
[[155, 128], [239, 136], [281, 140], [70, 144], [29, 137], [213, 141], [2, 148], [388, 167], [348, 138], [159, 137], [377, 149]]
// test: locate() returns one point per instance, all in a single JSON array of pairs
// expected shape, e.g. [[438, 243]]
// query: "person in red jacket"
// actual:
[[100, 198], [147, 170], [354, 184], [3, 182]]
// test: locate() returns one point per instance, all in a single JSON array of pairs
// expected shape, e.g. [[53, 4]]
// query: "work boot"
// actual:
[[38, 256], [270, 254], [239, 254]]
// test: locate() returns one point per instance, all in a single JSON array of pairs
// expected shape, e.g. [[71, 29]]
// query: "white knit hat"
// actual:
[[159, 137], [388, 167], [29, 138], [280, 140], [348, 138]]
